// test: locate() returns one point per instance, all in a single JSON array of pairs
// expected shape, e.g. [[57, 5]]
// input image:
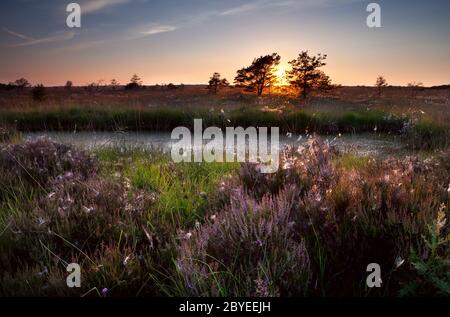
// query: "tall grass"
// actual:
[[299, 121]]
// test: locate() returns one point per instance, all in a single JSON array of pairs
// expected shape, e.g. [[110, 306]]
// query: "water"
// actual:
[[361, 144]]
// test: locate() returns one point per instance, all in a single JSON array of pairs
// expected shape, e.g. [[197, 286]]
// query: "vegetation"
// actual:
[[215, 83], [305, 74], [135, 83], [380, 84], [141, 225], [259, 75]]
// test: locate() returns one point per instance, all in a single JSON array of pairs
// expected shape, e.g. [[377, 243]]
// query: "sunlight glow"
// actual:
[[282, 80]]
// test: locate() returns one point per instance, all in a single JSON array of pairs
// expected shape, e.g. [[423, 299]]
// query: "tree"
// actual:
[[135, 82], [38, 92], [22, 83], [259, 75], [215, 83], [305, 74], [171, 86], [380, 84], [114, 84], [414, 86], [68, 85]]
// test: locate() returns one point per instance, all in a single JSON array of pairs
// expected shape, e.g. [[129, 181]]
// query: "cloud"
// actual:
[[21, 36], [97, 5], [29, 41], [158, 28], [292, 4]]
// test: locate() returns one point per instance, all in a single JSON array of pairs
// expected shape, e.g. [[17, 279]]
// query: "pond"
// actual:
[[362, 144]]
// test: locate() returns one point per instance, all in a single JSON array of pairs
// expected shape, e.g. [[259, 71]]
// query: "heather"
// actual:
[[140, 225]]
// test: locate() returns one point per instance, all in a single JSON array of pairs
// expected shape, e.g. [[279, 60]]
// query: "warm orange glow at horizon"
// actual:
[[281, 74]]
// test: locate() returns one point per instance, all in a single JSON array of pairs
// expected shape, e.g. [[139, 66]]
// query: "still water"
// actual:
[[361, 144]]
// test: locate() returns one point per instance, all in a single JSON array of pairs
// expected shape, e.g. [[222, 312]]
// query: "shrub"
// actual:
[[247, 249], [41, 160], [348, 218], [38, 93]]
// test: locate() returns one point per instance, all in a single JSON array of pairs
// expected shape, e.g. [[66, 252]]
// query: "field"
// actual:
[[140, 225]]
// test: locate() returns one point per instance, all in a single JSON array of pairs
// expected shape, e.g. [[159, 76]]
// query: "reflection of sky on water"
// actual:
[[363, 144]]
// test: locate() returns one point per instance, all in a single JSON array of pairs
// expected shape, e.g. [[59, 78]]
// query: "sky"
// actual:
[[185, 41]]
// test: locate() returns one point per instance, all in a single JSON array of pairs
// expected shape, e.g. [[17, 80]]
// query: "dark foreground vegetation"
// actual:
[[140, 225]]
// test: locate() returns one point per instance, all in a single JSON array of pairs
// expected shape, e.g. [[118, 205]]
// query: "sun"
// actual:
[[280, 73]]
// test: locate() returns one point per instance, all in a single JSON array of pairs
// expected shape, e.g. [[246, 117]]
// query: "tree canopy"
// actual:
[[259, 75], [305, 73]]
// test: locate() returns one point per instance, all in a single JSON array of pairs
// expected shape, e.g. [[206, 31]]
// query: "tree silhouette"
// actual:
[[305, 74], [135, 82], [22, 83], [414, 86], [380, 84], [68, 85], [114, 84], [215, 83], [259, 75], [38, 93]]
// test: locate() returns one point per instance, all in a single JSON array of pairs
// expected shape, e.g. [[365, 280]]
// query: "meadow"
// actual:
[[140, 225]]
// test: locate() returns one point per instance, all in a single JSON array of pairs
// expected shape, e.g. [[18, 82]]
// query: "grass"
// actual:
[[140, 225], [349, 161], [299, 121], [182, 190]]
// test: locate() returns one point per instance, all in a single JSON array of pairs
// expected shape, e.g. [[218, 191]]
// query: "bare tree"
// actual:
[[215, 83], [305, 73], [259, 75], [380, 84]]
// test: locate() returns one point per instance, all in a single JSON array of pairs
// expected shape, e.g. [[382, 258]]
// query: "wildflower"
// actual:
[[104, 291], [289, 135], [339, 135], [45, 271], [262, 288], [126, 260], [448, 189], [259, 243], [440, 220], [375, 129], [87, 209], [50, 196], [399, 261], [213, 217], [197, 225], [41, 221], [188, 235]]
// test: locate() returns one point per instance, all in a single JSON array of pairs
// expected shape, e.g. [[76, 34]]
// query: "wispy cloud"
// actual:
[[19, 35], [292, 4], [29, 41], [158, 28], [97, 5]]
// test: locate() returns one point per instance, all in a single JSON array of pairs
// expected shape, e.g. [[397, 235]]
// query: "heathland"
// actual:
[[140, 225]]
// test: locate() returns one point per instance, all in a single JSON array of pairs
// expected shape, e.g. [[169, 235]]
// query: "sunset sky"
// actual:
[[185, 41]]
